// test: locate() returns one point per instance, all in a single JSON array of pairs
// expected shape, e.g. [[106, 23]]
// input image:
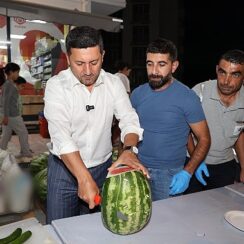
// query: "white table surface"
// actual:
[[196, 218], [237, 188]]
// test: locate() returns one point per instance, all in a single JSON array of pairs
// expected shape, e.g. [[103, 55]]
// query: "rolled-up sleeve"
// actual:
[[57, 112], [126, 114]]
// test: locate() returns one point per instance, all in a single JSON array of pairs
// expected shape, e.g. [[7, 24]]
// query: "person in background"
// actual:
[[2, 80], [20, 82], [223, 104], [12, 119], [80, 103], [123, 70], [167, 111]]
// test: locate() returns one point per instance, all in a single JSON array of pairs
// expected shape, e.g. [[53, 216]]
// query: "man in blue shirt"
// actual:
[[168, 110]]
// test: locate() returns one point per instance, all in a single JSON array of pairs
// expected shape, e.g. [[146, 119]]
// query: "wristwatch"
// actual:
[[133, 149]]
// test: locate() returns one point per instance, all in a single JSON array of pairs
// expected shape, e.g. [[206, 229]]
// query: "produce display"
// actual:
[[16, 237], [38, 167], [38, 163], [40, 184], [126, 201]]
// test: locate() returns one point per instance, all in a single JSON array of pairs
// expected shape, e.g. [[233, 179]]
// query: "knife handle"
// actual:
[[97, 199]]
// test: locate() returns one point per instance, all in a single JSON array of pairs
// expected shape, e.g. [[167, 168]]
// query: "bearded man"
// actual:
[[168, 111]]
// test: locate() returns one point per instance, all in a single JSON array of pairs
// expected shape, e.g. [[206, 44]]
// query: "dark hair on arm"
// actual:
[[233, 56], [11, 67], [83, 37], [163, 46]]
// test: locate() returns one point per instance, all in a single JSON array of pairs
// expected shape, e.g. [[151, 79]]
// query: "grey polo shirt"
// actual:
[[225, 123]]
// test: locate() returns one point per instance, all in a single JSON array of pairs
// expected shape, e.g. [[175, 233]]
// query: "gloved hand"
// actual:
[[202, 168], [180, 182]]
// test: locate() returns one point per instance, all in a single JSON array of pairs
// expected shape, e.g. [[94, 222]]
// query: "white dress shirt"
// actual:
[[73, 128], [125, 81]]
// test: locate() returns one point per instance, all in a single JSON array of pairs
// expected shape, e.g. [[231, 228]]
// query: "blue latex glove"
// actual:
[[202, 168], [180, 182]]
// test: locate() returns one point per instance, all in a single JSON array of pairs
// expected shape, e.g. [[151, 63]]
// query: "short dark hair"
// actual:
[[83, 37], [233, 56], [120, 65], [163, 46], [11, 67]]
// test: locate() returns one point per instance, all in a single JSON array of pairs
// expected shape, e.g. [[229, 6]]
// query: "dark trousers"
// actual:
[[62, 191], [219, 176]]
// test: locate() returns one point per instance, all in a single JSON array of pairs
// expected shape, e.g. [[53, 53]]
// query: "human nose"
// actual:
[[87, 69], [155, 70], [227, 79]]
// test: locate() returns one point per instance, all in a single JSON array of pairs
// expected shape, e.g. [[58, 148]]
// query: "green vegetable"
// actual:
[[21, 239], [14, 235], [126, 202], [39, 163], [40, 184]]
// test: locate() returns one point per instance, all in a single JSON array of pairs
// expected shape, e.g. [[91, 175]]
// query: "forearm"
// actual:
[[198, 154], [239, 148], [131, 139], [76, 166]]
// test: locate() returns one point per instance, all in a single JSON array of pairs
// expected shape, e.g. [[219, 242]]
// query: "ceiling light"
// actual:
[[5, 42], [117, 20], [37, 21], [13, 36]]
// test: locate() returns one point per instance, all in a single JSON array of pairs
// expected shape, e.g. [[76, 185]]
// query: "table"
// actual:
[[196, 218]]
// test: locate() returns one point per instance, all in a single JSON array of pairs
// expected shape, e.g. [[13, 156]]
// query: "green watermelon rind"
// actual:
[[117, 197]]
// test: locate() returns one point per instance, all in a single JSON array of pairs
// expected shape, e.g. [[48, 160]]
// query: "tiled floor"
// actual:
[[38, 145]]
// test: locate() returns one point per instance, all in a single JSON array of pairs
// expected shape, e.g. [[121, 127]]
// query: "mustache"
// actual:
[[153, 76]]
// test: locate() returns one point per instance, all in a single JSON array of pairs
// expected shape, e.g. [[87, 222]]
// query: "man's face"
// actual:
[[230, 77], [14, 75], [86, 64], [159, 69]]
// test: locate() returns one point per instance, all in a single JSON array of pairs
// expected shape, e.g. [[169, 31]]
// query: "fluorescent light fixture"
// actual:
[[62, 40], [5, 42], [13, 36], [3, 47], [117, 20], [37, 21]]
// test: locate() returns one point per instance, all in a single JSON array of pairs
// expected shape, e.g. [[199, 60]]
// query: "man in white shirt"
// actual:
[[123, 72], [79, 106]]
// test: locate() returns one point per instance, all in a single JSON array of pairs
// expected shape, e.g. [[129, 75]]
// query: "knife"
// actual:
[[97, 199]]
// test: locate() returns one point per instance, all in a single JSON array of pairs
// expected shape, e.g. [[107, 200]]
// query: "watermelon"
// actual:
[[126, 201]]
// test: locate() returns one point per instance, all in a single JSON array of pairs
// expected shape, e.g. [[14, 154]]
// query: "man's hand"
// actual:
[[130, 159], [87, 190], [202, 169], [180, 182]]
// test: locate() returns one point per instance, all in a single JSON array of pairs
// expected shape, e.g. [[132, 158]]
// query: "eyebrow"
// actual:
[[160, 62], [234, 72]]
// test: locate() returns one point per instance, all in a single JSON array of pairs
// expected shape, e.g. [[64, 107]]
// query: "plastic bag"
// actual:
[[15, 185]]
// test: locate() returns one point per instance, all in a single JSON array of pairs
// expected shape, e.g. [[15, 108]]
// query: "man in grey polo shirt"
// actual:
[[223, 104]]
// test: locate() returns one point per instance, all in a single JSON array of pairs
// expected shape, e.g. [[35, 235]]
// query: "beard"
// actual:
[[158, 81]]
